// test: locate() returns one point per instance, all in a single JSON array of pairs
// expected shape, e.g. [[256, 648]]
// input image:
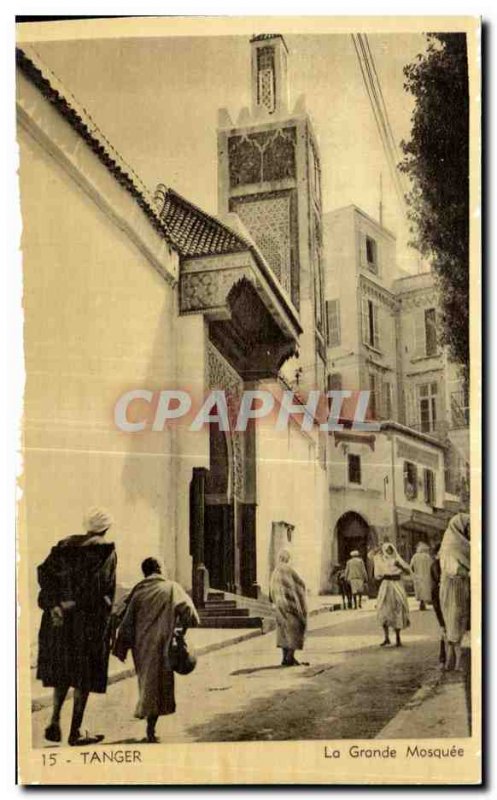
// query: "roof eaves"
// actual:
[[109, 159]]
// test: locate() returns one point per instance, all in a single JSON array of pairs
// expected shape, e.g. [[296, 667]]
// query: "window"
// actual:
[[425, 333], [410, 480], [315, 174], [335, 382], [429, 487], [370, 327], [334, 385], [354, 468], [459, 408], [431, 346], [427, 406], [387, 400], [373, 394], [333, 317], [371, 254]]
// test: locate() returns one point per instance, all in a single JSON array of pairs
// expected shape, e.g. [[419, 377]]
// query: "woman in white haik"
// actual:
[[454, 557], [392, 608]]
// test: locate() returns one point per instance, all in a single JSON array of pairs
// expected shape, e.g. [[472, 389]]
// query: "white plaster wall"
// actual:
[[341, 283], [99, 320], [291, 487]]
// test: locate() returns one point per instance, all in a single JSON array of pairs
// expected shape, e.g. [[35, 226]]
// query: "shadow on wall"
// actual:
[[148, 474]]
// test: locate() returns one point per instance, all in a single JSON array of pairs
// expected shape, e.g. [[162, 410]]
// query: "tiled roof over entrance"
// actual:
[[191, 230], [187, 229]]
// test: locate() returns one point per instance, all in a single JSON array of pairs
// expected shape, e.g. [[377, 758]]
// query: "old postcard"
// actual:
[[249, 519]]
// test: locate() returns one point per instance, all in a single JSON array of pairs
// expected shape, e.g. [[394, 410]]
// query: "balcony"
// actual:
[[438, 429]]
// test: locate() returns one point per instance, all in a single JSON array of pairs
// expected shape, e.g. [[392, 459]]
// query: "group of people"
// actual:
[[441, 579], [80, 626]]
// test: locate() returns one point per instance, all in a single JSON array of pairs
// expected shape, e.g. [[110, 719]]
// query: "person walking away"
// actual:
[[392, 607], [153, 609], [435, 601], [454, 557], [287, 593], [421, 570], [77, 585], [357, 576]]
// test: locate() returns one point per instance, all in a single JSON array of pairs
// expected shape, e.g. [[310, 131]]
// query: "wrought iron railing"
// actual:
[[438, 429]]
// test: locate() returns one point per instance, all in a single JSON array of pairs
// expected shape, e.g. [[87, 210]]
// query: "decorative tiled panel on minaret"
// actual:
[[267, 217], [262, 156]]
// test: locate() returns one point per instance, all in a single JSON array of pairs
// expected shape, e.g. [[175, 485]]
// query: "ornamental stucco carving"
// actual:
[[380, 295], [200, 291], [221, 375]]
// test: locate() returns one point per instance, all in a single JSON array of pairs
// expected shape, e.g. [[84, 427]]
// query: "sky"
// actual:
[[156, 99]]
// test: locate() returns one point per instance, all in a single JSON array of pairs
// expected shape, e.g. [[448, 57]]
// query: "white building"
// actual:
[[382, 336]]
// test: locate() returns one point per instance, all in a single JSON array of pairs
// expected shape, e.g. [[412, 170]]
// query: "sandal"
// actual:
[[53, 732], [76, 740]]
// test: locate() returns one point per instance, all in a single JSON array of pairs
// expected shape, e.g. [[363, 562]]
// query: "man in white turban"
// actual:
[[97, 520], [77, 585]]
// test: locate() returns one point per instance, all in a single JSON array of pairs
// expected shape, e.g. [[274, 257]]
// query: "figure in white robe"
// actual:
[[421, 569], [287, 593], [392, 608], [454, 558]]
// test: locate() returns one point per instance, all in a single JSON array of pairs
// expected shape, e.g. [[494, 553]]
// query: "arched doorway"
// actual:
[[353, 533]]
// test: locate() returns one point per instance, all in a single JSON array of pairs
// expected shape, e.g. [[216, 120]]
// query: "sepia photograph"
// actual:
[[249, 518]]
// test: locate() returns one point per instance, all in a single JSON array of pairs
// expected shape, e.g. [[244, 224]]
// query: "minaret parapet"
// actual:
[[223, 119]]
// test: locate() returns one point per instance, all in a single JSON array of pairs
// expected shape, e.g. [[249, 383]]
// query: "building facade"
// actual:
[[384, 486], [126, 290], [382, 335]]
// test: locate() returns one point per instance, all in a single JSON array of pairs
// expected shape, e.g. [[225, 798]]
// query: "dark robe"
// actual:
[[81, 569], [435, 573]]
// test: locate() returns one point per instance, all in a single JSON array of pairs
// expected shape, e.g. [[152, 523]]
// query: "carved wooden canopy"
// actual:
[[250, 321]]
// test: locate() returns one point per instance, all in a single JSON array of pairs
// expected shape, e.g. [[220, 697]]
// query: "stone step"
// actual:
[[230, 622], [218, 611], [215, 595], [220, 604]]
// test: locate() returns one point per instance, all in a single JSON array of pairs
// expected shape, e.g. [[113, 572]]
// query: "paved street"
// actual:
[[351, 688]]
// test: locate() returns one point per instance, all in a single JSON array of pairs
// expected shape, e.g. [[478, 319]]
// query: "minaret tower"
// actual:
[[270, 176]]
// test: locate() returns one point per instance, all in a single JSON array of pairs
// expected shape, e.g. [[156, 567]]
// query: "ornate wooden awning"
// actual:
[[225, 278]]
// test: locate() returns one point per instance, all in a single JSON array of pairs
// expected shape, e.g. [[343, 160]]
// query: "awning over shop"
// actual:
[[421, 522]]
